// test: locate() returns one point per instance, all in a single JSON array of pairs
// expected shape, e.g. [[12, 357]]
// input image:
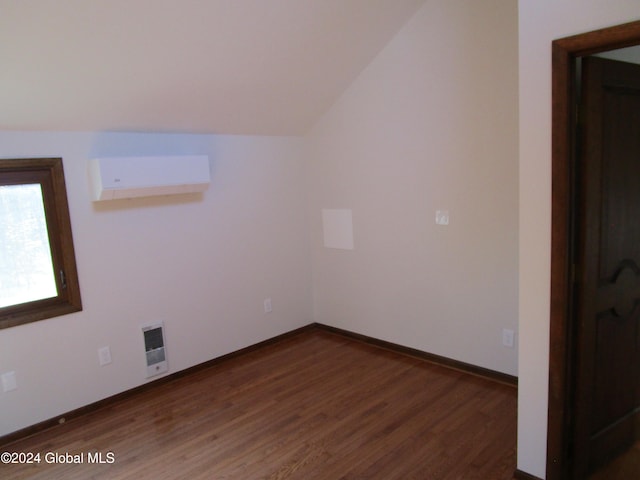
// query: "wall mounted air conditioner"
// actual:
[[128, 177]]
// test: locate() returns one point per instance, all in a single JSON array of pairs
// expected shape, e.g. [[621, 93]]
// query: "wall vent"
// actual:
[[155, 349]]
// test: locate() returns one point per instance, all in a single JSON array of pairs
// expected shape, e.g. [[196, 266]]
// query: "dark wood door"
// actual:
[[607, 305]]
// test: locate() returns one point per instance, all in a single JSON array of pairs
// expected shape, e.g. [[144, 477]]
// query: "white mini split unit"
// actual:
[[129, 177]]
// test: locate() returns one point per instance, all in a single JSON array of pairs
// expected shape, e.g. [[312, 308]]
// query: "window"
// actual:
[[38, 276]]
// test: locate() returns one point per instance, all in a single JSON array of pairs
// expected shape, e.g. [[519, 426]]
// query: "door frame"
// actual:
[[565, 51]]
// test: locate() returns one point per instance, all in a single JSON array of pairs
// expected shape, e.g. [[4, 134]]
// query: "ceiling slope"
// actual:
[[265, 67]]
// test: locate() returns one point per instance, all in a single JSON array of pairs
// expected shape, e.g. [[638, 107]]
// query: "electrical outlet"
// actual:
[[507, 337], [9, 381], [267, 305], [104, 356]]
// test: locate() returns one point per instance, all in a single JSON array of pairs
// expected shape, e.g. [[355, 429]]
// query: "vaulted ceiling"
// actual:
[[267, 67]]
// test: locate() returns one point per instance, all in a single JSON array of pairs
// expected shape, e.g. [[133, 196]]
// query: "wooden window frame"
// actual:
[[49, 173]]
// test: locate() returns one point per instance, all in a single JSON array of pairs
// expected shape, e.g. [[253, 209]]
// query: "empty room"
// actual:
[[284, 239]]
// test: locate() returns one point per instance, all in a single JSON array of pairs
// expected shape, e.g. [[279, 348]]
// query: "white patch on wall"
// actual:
[[337, 225]]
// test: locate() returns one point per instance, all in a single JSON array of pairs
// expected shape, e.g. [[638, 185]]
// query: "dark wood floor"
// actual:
[[313, 406], [625, 467]]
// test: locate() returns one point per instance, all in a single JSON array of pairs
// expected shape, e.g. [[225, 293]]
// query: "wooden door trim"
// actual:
[[564, 53]]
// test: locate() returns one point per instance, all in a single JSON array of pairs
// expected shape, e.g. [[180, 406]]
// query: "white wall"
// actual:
[[203, 265], [430, 124], [540, 22]]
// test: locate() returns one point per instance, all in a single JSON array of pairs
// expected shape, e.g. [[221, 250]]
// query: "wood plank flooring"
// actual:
[[624, 467], [313, 406]]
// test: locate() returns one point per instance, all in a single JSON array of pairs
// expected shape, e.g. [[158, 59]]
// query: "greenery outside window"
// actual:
[[38, 275]]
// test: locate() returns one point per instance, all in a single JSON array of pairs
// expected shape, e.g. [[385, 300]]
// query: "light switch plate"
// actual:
[[442, 217]]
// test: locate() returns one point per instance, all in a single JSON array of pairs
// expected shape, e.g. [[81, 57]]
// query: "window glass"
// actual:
[[26, 268]]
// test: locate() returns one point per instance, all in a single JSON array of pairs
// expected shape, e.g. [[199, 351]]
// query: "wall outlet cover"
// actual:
[[9, 381], [507, 337], [104, 356]]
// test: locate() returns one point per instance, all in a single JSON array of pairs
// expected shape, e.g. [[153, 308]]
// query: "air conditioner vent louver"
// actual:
[[114, 178]]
